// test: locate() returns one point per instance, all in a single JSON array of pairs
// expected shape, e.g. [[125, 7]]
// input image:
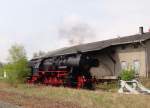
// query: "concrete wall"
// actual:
[[128, 54]]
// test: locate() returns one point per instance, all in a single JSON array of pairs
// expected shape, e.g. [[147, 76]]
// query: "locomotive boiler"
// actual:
[[67, 70]]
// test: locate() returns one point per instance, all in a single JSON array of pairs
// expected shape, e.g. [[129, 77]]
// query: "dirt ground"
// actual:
[[34, 102]]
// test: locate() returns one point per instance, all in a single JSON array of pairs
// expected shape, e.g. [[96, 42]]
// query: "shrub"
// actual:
[[127, 74], [17, 67], [17, 72]]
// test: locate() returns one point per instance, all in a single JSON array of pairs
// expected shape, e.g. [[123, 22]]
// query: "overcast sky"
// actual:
[[35, 23]]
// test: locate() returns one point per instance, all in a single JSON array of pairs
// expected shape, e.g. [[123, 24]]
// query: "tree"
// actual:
[[17, 67], [1, 64], [16, 53], [1, 69]]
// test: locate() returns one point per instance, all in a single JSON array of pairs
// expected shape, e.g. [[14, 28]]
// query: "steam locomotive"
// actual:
[[69, 71]]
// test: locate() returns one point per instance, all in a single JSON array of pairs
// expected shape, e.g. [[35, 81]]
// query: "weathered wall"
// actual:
[[129, 54]]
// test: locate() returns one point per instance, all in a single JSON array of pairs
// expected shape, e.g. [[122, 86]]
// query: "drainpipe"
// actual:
[[146, 58]]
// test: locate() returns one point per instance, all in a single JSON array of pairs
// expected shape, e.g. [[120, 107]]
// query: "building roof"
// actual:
[[95, 46]]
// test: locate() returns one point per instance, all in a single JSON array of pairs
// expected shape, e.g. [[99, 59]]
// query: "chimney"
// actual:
[[149, 30], [141, 31]]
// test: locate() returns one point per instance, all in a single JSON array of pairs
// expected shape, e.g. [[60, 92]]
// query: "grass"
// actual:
[[109, 87], [105, 96], [145, 82], [84, 98]]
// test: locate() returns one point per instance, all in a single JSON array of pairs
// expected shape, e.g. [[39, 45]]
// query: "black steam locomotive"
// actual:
[[69, 71]]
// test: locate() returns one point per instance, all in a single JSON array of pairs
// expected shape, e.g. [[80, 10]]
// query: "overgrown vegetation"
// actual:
[[108, 86], [70, 97], [145, 81], [17, 68], [127, 74], [1, 72]]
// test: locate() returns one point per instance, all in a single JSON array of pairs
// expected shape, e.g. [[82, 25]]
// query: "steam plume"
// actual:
[[76, 33]]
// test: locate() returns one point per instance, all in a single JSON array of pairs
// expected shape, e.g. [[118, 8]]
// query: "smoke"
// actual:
[[76, 32]]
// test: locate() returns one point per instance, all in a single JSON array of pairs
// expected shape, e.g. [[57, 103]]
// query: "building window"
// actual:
[[136, 66], [124, 65]]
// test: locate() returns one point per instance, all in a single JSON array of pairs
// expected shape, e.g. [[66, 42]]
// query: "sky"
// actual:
[[36, 23]]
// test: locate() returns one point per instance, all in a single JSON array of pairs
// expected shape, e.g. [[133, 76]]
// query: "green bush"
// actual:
[[1, 72], [17, 72], [127, 74], [17, 67]]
